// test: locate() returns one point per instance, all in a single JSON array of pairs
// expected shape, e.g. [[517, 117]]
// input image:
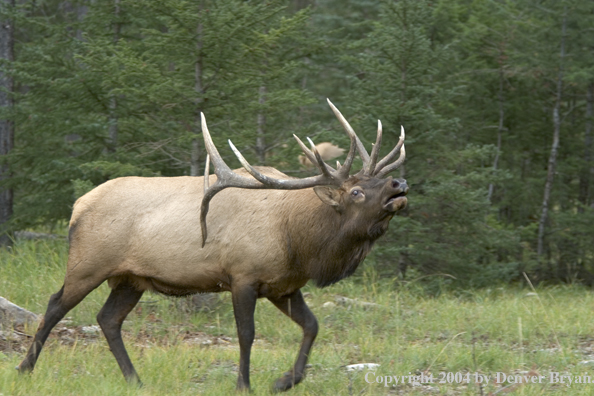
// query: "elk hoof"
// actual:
[[24, 368], [286, 382], [134, 381], [242, 387]]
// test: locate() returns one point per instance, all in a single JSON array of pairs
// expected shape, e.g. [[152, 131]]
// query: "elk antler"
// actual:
[[369, 162], [329, 176], [382, 167], [227, 178]]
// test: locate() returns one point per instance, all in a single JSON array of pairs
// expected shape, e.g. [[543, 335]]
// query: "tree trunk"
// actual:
[[301, 4], [301, 116], [6, 126], [81, 12], [260, 137], [584, 194], [112, 143], [499, 128], [113, 101], [198, 87], [554, 148]]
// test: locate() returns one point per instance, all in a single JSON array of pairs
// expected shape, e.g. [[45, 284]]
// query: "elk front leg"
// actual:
[[295, 308], [244, 304]]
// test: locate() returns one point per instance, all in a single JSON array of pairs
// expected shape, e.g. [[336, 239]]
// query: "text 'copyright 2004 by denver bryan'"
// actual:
[[477, 378]]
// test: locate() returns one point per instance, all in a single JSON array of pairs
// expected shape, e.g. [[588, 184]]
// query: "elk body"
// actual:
[[266, 238]]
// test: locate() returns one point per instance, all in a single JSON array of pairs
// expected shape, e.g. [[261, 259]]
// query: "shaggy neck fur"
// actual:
[[327, 245]]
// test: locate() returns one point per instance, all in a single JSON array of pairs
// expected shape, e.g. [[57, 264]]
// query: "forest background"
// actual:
[[496, 98]]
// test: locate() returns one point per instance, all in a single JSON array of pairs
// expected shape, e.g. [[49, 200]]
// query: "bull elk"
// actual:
[[327, 151], [267, 241]]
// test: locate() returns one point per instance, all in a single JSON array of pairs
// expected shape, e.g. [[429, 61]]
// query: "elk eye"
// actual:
[[356, 193]]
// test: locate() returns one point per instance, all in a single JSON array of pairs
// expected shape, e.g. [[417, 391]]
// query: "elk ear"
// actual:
[[328, 195]]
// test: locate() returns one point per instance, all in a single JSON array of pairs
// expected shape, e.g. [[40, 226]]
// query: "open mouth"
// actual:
[[395, 197]]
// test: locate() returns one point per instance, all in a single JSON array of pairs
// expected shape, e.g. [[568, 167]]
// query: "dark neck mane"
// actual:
[[324, 246]]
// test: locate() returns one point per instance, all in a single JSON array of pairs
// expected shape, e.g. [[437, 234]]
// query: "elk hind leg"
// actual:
[[244, 304], [121, 301], [59, 305], [294, 307]]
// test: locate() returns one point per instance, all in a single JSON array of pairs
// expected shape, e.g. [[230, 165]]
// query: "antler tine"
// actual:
[[206, 172], [225, 177], [375, 150], [310, 156], [319, 161], [349, 130], [208, 195], [313, 157], [392, 153], [219, 164], [393, 165], [348, 162]]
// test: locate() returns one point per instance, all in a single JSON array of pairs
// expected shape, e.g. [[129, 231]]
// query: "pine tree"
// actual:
[[398, 78], [119, 92]]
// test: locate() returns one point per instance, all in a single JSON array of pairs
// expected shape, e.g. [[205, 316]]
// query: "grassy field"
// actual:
[[515, 331]]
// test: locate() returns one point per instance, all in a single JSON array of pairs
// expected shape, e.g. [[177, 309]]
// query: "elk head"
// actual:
[[367, 199]]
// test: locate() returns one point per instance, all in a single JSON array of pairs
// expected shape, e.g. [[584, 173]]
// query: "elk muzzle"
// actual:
[[396, 190]]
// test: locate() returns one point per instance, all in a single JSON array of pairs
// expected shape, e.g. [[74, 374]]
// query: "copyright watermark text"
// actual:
[[477, 378]]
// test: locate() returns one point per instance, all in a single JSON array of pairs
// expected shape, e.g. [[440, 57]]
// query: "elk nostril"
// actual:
[[395, 184]]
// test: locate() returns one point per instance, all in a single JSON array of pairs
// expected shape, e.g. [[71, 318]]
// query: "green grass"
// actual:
[[484, 331]]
